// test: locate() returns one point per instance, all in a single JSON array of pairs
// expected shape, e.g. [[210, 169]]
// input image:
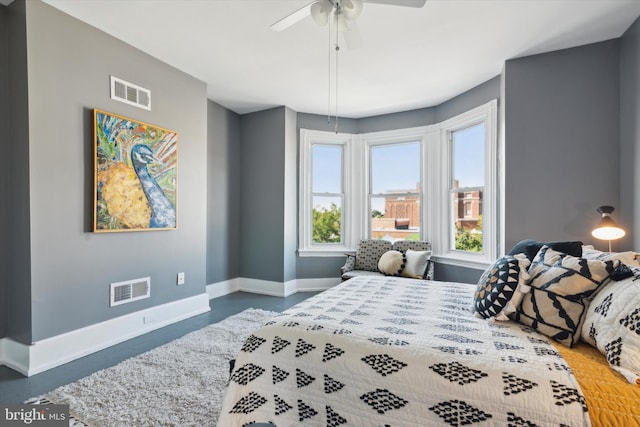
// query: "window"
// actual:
[[466, 186], [324, 197], [395, 191], [327, 194], [469, 205], [435, 183], [468, 209]]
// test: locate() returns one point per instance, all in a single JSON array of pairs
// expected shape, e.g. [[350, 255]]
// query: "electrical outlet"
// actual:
[[180, 279]]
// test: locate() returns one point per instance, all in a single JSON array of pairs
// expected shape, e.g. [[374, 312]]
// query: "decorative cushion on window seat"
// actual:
[[370, 251], [355, 273], [416, 263], [391, 263]]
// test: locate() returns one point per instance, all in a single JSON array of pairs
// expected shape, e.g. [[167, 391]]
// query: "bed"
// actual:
[[391, 351]]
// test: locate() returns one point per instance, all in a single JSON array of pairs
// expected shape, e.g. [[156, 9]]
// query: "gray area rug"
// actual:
[[181, 383]]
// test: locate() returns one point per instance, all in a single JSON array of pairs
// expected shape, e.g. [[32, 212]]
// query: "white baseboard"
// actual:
[[268, 287], [219, 289], [264, 287], [55, 351], [14, 354]]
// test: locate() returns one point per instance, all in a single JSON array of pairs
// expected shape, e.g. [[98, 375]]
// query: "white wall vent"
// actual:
[[130, 290], [130, 94]]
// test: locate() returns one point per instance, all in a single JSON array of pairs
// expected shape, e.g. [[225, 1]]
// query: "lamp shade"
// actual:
[[607, 228]]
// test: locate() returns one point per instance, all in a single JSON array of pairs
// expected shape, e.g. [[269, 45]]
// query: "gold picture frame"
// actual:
[[135, 175]]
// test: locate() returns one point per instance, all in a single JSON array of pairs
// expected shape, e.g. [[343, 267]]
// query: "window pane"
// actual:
[[395, 217], [395, 168], [327, 169], [467, 152], [395, 192], [327, 219], [467, 185], [467, 217]]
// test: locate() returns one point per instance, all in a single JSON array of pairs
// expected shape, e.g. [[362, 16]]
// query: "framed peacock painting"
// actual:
[[136, 174]]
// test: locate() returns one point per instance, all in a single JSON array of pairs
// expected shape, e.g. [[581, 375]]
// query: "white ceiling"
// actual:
[[411, 58]]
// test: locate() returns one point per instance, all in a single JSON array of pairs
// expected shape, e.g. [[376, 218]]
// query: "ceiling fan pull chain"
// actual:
[[329, 79], [338, 11], [337, 50]]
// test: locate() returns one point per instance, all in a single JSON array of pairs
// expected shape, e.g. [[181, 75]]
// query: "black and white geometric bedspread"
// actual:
[[387, 351]]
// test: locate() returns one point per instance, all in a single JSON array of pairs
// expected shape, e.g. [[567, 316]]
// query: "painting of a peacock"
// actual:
[[135, 175]]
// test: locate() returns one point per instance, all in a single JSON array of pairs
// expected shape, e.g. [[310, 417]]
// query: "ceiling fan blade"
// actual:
[[407, 3], [292, 18], [352, 37]]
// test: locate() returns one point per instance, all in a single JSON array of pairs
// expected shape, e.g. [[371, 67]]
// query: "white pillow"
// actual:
[[612, 324], [629, 258], [391, 263], [416, 263]]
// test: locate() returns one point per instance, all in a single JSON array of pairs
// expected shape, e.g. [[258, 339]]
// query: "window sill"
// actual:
[[333, 252], [466, 262]]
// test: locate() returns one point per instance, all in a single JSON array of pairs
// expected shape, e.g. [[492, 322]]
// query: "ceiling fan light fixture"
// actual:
[[351, 8], [320, 11]]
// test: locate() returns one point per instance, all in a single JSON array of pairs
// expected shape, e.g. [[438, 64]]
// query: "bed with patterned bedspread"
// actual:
[[388, 351]]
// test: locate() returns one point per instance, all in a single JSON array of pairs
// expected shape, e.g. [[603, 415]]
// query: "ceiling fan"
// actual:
[[341, 15], [341, 12]]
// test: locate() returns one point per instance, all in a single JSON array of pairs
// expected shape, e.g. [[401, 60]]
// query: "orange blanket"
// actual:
[[611, 399]]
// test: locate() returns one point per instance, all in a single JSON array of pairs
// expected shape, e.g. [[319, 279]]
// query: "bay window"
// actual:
[[436, 183]]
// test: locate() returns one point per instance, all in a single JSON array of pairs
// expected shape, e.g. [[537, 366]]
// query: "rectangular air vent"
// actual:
[[130, 94], [130, 290]]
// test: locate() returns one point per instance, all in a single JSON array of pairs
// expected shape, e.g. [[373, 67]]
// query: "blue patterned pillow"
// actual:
[[497, 286], [560, 287]]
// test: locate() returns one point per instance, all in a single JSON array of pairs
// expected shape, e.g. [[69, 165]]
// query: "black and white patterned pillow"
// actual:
[[612, 325], [369, 253], [560, 287], [630, 258], [497, 287]]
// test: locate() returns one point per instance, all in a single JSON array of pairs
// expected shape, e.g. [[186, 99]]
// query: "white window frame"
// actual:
[[386, 138], [309, 138], [434, 198], [486, 114]]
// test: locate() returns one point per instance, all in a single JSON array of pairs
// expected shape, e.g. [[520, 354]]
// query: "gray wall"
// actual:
[[19, 292], [69, 64], [262, 194], [630, 136], [472, 98], [4, 166], [561, 142], [290, 183], [223, 194]]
